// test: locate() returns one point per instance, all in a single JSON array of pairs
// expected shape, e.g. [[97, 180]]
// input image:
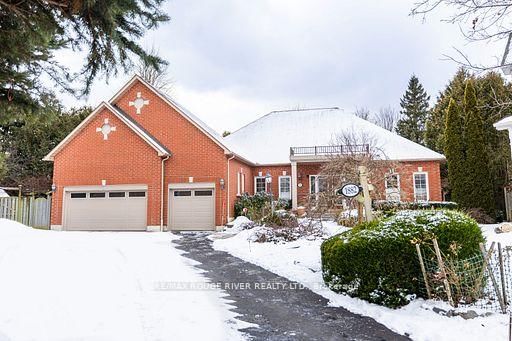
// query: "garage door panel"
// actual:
[[192, 209], [101, 211]]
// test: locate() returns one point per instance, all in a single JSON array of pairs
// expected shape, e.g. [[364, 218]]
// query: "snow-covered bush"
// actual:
[[281, 234], [280, 218], [388, 208], [377, 261]]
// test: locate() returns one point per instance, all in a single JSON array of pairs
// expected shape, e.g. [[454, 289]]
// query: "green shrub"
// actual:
[[258, 205], [388, 208], [377, 261], [280, 218]]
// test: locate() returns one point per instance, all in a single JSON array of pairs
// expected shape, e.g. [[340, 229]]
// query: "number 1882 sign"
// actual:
[[349, 190]]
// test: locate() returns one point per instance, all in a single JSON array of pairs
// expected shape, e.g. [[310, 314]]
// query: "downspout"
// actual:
[[162, 194], [229, 196]]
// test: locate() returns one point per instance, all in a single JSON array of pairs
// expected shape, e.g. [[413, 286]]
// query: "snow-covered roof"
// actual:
[[268, 139]]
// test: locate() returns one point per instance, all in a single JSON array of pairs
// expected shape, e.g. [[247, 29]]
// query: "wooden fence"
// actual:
[[30, 211]]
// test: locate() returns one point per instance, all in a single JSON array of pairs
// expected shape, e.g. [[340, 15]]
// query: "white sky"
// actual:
[[235, 60]]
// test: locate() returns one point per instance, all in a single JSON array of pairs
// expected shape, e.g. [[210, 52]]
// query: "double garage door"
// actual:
[[121, 209], [113, 210]]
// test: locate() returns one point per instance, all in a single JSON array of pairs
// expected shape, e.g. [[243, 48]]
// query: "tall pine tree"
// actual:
[[455, 152], [493, 94], [434, 135], [480, 190], [414, 112]]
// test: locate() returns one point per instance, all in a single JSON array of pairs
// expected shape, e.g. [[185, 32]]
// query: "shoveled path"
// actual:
[[291, 313]]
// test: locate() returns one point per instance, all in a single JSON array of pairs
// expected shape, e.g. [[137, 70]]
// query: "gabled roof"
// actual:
[[154, 143], [268, 140], [212, 134]]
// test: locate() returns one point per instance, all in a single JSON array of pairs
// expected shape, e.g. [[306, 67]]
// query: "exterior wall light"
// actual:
[[222, 183], [54, 188]]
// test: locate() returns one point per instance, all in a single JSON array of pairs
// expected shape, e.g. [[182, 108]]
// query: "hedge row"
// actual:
[[377, 261], [389, 208]]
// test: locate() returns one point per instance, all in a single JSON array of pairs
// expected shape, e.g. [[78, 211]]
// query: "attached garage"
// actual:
[[105, 209], [192, 208]]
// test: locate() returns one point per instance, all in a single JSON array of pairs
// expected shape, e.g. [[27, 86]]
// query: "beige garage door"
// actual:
[[192, 209], [115, 210]]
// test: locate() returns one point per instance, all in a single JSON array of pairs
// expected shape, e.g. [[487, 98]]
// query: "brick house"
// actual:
[[142, 162]]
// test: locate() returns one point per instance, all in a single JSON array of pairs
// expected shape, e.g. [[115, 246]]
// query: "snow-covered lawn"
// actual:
[[300, 261], [104, 286]]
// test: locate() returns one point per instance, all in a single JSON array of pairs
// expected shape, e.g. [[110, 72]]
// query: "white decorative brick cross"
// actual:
[[139, 102], [106, 129]]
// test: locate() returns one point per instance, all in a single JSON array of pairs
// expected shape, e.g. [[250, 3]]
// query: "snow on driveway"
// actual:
[[104, 286]]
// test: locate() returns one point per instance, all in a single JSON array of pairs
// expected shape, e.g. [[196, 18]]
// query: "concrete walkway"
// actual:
[[285, 312]]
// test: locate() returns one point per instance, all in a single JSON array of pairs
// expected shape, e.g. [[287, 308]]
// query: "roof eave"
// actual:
[[241, 158], [161, 151]]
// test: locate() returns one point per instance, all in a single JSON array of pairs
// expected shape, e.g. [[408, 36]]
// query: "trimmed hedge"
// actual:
[[377, 261], [389, 208]]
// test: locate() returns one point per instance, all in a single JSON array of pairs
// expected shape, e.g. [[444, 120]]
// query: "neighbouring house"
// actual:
[[143, 162], [505, 124]]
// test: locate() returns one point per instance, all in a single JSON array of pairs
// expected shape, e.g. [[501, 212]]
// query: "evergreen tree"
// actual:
[[479, 192], [109, 32], [493, 95], [435, 125], [414, 112], [27, 141], [455, 152]]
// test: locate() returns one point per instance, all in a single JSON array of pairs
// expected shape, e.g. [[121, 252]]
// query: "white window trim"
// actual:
[[316, 176], [290, 178], [316, 187], [259, 177], [426, 183], [398, 183], [243, 182], [238, 184]]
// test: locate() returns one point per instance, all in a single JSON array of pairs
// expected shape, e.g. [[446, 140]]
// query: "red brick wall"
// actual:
[[406, 171], [303, 172], [194, 154], [236, 167], [275, 172], [122, 159]]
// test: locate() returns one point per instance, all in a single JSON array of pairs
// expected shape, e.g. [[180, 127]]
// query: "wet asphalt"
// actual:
[[282, 309]]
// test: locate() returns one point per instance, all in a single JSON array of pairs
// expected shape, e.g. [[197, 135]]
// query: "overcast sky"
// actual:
[[235, 60]]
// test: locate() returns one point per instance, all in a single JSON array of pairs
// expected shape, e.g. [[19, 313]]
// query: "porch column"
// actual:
[[294, 185]]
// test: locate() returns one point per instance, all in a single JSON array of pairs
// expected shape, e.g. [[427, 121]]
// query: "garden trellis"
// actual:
[[482, 281]]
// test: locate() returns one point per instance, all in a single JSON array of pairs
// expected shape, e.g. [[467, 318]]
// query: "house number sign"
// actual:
[[349, 190]]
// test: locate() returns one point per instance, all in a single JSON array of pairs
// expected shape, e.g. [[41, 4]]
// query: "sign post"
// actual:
[[363, 177]]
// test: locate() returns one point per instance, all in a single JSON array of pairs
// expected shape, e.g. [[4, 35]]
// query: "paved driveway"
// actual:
[[282, 309]]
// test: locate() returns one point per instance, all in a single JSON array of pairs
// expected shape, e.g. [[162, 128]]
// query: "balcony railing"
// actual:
[[331, 150]]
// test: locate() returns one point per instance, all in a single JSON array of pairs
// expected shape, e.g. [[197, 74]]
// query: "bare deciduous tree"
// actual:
[[479, 20], [359, 149], [160, 79], [387, 118], [363, 113]]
